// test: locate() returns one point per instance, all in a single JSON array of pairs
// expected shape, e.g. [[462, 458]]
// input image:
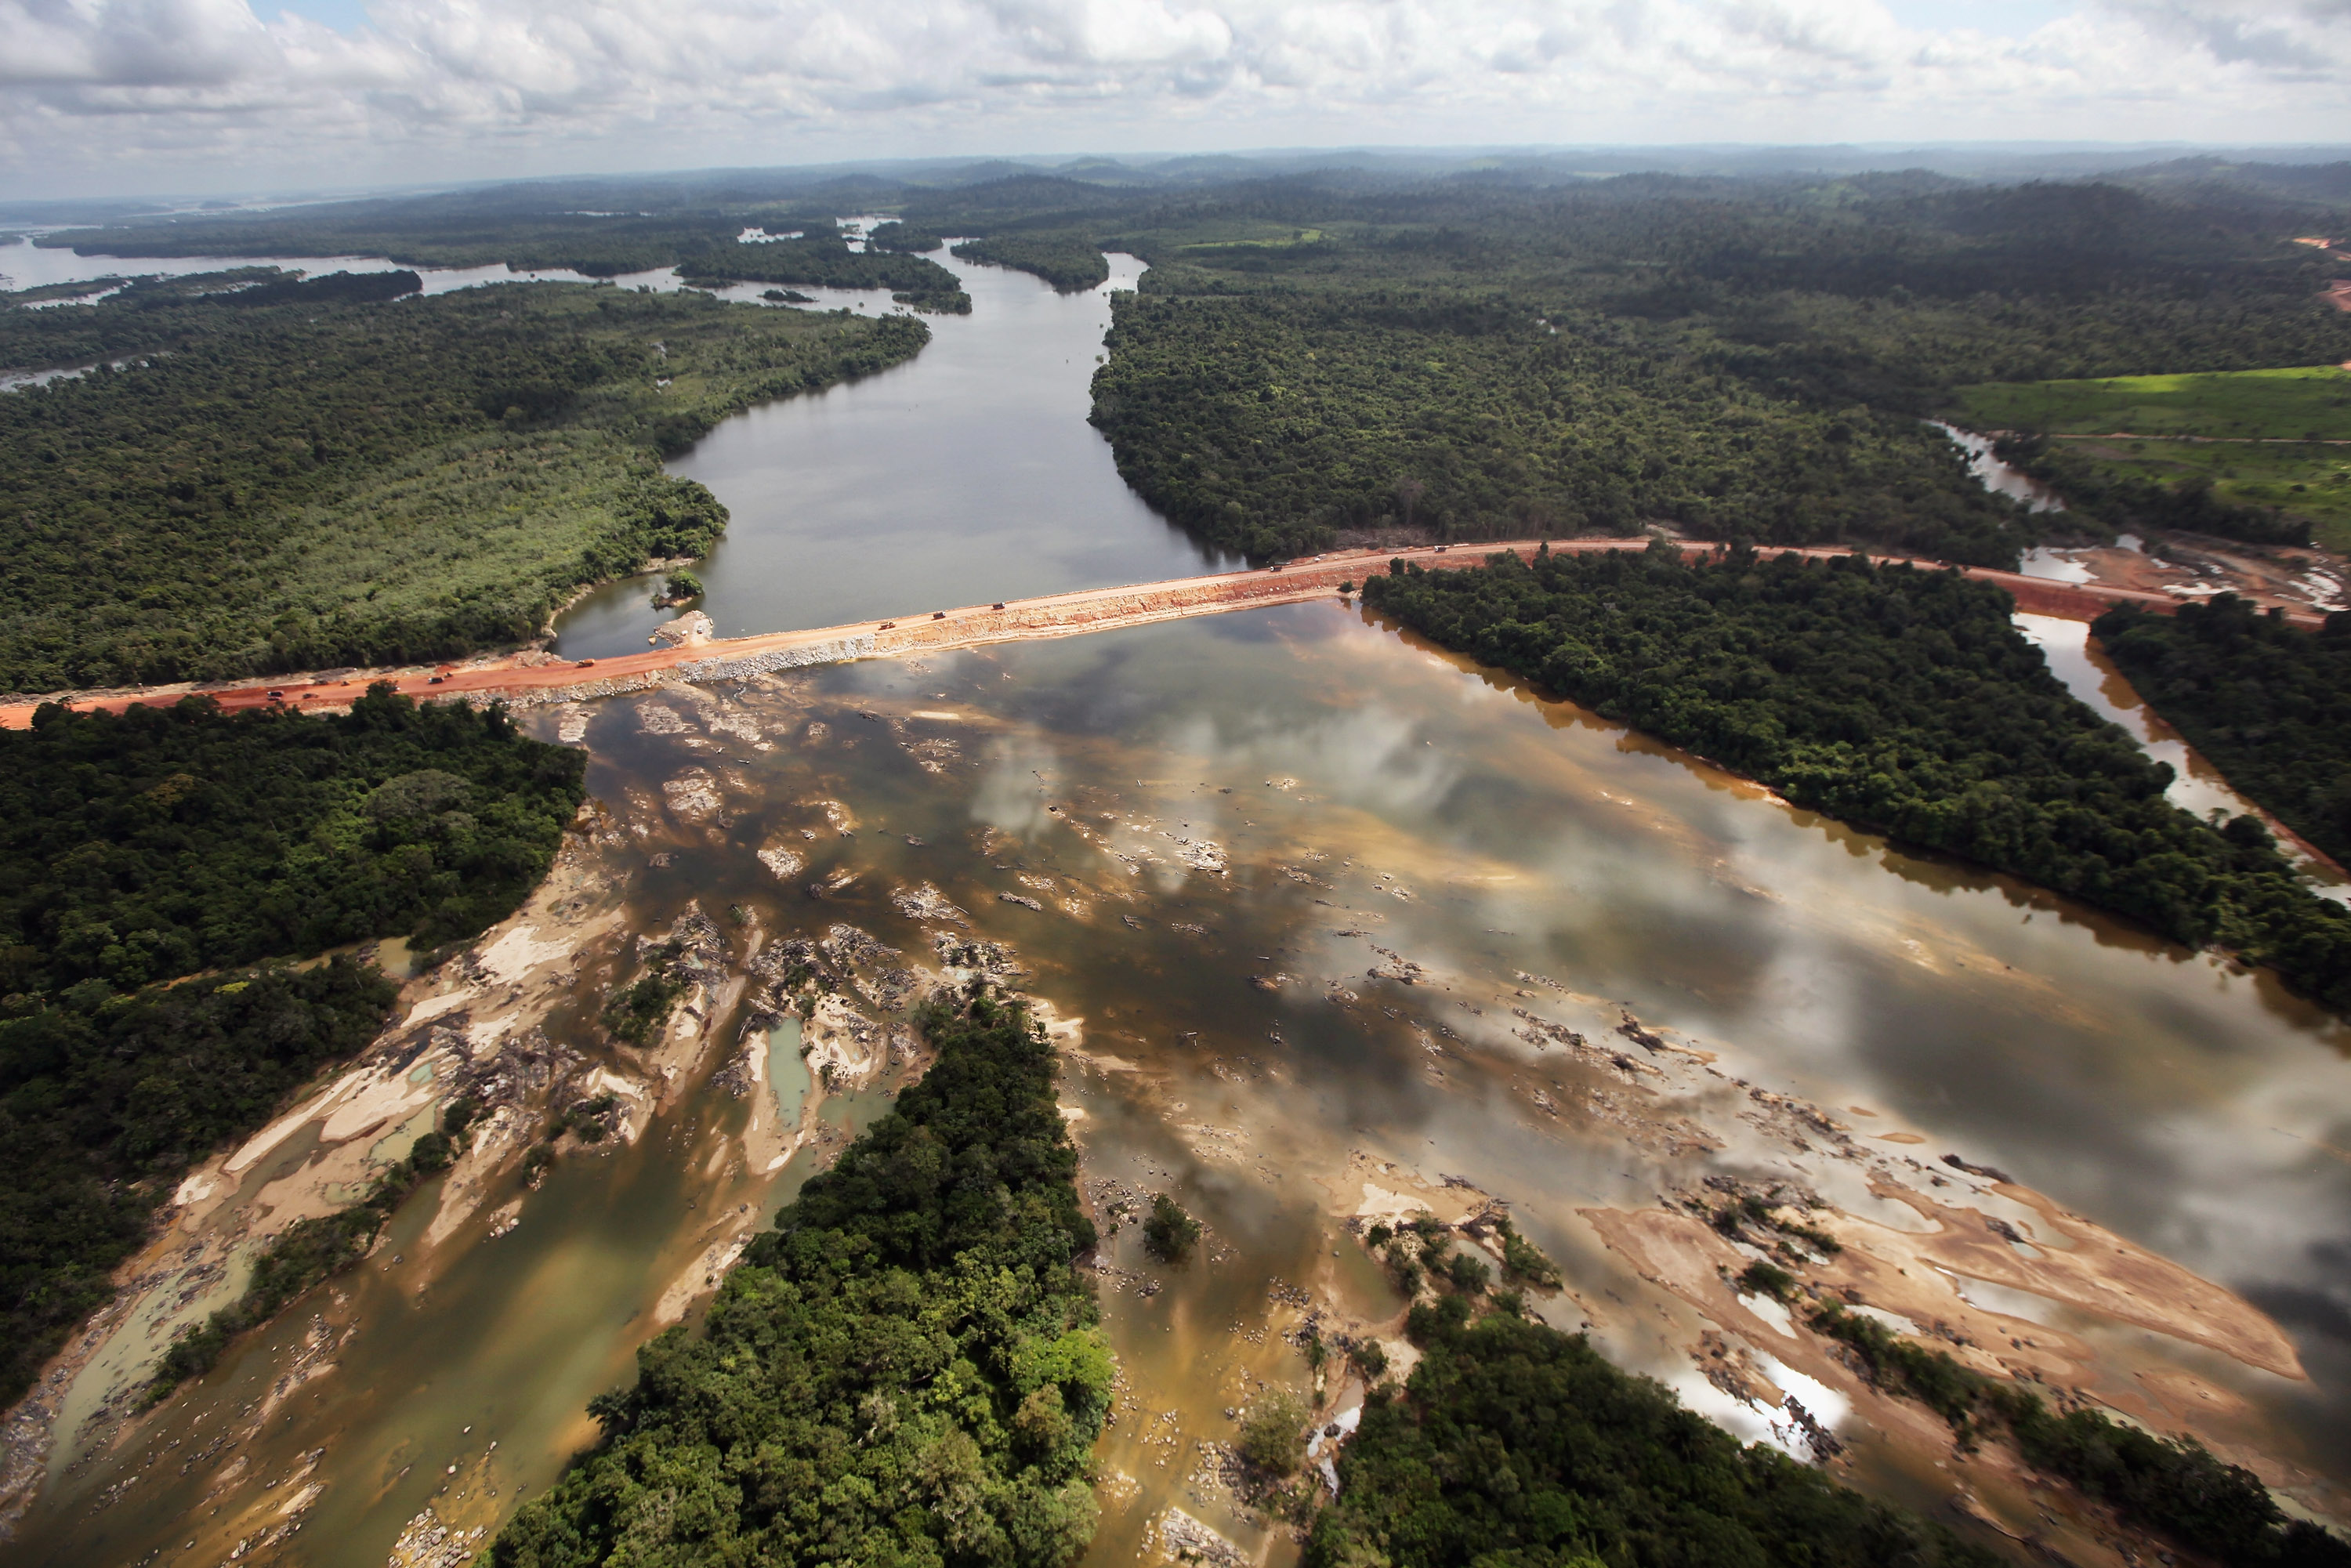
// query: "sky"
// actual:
[[154, 97]]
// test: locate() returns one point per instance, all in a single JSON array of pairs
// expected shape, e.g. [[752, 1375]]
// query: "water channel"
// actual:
[[966, 475], [1332, 923]]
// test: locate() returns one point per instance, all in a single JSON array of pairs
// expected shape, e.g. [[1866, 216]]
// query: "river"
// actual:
[[1332, 924], [967, 474]]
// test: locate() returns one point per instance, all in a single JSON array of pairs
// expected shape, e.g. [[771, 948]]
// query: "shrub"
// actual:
[[1170, 1233], [1273, 1434]]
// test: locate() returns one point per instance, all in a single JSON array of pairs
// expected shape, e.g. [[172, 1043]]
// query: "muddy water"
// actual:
[[1315, 910], [966, 475]]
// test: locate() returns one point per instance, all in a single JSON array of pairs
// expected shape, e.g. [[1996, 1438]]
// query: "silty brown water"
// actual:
[[1225, 827]]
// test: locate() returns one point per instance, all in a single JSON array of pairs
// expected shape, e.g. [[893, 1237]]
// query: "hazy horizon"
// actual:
[[120, 97], [1994, 160]]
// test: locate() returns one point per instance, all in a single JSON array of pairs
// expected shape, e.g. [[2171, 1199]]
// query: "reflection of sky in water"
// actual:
[[2189, 1107], [2195, 786], [966, 475], [2199, 1113]]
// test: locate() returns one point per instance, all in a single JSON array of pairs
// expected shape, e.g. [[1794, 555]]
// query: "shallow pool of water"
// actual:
[[788, 1072]]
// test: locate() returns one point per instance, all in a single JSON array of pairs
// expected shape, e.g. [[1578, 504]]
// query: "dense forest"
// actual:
[[106, 1101], [149, 845], [2269, 704], [1067, 263], [1279, 424], [1904, 701], [141, 848], [280, 481], [2172, 1485], [1376, 350], [820, 257], [1514, 1443], [1740, 360], [905, 1369]]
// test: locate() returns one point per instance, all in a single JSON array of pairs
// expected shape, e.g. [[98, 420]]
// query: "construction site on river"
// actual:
[[532, 677]]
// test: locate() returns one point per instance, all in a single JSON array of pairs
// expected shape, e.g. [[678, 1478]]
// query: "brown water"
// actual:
[[1365, 794]]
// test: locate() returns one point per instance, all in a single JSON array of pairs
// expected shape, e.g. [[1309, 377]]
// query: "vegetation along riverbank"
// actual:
[[277, 481], [1514, 1442], [140, 848], [906, 1369], [2268, 702], [2259, 455], [1903, 701], [1741, 360]]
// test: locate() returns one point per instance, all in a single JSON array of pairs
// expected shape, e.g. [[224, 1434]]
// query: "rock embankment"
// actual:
[[531, 678]]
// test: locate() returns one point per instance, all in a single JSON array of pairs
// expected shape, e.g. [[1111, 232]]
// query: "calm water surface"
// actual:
[[966, 475], [1369, 796]]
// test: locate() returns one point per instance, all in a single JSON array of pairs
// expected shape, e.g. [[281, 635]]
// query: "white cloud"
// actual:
[[204, 94]]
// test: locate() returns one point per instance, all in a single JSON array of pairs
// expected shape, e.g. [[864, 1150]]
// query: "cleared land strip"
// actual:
[[526, 679]]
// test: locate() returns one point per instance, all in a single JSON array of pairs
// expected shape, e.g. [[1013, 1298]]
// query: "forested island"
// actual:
[[139, 850], [1901, 700], [960, 1428], [819, 257], [291, 475], [1067, 263], [2268, 702], [1513, 1442]]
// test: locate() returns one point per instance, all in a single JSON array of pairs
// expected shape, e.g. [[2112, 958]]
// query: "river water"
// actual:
[[966, 475], [1313, 907], [1371, 802]]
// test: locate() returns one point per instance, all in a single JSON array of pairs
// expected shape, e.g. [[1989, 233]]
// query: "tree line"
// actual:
[[1069, 263], [298, 482], [1901, 700], [906, 1369], [2268, 702], [142, 846]]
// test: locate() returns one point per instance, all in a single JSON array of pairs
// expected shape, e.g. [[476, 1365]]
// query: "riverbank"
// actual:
[[532, 677], [1303, 891]]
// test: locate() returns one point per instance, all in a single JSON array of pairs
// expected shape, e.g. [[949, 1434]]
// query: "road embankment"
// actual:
[[527, 679]]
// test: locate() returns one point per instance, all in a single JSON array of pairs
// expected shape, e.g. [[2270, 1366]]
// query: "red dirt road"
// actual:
[[1055, 615]]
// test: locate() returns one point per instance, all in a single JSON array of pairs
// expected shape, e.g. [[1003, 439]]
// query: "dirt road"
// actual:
[[531, 678]]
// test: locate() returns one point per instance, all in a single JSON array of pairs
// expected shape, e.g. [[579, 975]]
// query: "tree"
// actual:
[[1273, 1434], [1170, 1233]]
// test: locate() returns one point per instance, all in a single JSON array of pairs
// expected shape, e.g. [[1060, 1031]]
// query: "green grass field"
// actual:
[[2249, 410], [2307, 403], [2313, 482]]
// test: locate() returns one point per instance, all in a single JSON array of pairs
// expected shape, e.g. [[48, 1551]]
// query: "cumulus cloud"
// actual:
[[159, 94]]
